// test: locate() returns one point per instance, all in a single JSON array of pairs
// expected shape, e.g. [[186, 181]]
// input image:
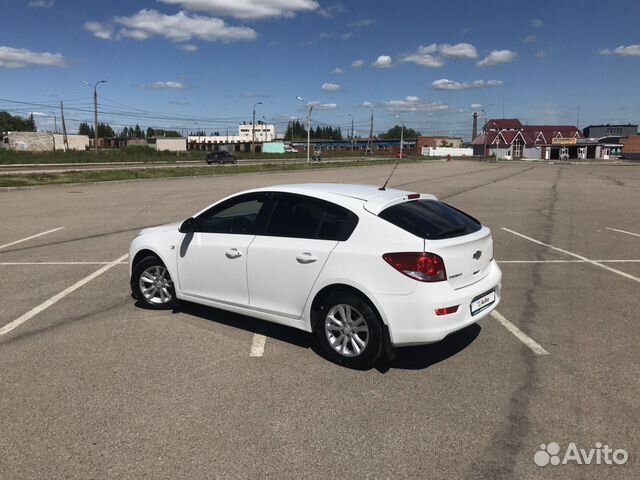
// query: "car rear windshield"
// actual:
[[430, 219]]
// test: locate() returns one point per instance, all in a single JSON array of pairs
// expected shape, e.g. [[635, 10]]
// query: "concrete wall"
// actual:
[[171, 144], [76, 142], [444, 151], [30, 142]]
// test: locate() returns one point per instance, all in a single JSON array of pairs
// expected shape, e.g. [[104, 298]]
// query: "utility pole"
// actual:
[[401, 135], [370, 144], [351, 136], [95, 110], [64, 128], [253, 128], [308, 130]]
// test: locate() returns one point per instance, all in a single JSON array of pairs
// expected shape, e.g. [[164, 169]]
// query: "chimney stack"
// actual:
[[474, 133]]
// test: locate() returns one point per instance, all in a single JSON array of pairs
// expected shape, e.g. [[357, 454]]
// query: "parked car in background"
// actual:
[[363, 269], [290, 149], [221, 157]]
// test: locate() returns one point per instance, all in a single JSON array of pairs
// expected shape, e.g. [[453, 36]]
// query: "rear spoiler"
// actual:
[[384, 201]]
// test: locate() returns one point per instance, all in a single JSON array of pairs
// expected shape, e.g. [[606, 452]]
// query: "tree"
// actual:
[[86, 129], [137, 132], [11, 123], [395, 132], [105, 131], [151, 132], [444, 143]]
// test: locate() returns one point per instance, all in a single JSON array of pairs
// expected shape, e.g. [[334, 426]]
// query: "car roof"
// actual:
[[375, 200]]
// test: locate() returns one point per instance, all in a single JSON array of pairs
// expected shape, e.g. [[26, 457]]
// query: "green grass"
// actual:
[[33, 179]]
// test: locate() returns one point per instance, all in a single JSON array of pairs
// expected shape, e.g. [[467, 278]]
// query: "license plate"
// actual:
[[482, 302]]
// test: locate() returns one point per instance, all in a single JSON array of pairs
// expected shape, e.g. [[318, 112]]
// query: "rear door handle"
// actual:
[[233, 253], [306, 257]]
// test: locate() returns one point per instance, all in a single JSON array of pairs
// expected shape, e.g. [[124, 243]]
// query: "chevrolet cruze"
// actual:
[[364, 269]]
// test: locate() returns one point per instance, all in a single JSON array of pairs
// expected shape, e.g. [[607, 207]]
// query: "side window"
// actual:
[[238, 215], [297, 216]]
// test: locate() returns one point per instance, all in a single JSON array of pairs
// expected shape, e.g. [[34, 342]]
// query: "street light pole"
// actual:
[[401, 135], [484, 137], [300, 99], [253, 128], [55, 121], [95, 109], [351, 136]]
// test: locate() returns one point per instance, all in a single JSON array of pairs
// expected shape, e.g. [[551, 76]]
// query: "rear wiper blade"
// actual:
[[450, 231]]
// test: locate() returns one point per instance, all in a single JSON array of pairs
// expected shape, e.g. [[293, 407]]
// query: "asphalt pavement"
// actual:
[[92, 386]]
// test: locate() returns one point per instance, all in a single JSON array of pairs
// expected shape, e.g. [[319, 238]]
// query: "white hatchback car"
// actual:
[[364, 269]]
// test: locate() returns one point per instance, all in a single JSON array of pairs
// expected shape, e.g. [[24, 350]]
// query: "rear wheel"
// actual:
[[349, 330], [152, 284]]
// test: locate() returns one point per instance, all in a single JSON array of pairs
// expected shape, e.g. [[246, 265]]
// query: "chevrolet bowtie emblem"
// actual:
[[477, 255]]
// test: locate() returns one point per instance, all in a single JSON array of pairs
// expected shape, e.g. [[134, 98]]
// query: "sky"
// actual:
[[203, 64]]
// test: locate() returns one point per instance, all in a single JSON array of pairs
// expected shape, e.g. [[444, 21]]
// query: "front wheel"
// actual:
[[349, 330], [152, 284]]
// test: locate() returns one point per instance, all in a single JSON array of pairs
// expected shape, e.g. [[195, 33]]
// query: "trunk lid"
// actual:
[[466, 258]]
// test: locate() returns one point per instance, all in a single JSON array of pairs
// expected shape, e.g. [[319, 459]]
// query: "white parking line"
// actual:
[[257, 345], [56, 298], [30, 238], [10, 264], [624, 231], [519, 334], [567, 252]]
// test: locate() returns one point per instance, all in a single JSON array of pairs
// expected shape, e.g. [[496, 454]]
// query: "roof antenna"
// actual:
[[384, 187]]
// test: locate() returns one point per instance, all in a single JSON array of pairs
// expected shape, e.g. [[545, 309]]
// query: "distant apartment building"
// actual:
[[616, 131]]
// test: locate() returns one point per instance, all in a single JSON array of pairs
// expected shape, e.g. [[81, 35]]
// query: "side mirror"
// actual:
[[188, 226]]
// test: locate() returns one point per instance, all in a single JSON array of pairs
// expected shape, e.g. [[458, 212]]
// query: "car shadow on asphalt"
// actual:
[[406, 358]]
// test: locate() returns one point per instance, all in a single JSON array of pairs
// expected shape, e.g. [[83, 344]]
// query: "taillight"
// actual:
[[421, 266]]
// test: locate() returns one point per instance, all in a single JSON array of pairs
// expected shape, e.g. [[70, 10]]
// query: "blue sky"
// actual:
[[175, 63]]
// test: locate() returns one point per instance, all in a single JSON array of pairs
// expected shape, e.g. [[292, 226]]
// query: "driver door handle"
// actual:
[[233, 253], [306, 257]]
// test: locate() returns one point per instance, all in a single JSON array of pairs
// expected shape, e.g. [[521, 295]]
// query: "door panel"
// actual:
[[214, 267], [282, 272]]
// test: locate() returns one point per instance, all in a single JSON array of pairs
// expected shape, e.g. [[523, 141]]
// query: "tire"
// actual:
[[152, 285], [362, 345]]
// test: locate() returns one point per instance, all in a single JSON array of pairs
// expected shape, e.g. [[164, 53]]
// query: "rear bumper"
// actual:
[[412, 320]]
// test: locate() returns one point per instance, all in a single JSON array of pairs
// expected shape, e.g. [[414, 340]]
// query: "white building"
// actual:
[[264, 132]]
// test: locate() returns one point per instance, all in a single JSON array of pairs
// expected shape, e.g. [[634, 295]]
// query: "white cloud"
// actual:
[[625, 51], [180, 27], [383, 61], [330, 87], [415, 104], [103, 31], [189, 48], [21, 58], [337, 71], [41, 4], [166, 86], [322, 106], [459, 50], [248, 9], [327, 12], [540, 54], [358, 64], [476, 105], [497, 57], [364, 105], [433, 55], [362, 23], [536, 23], [347, 35], [529, 39], [445, 84]]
